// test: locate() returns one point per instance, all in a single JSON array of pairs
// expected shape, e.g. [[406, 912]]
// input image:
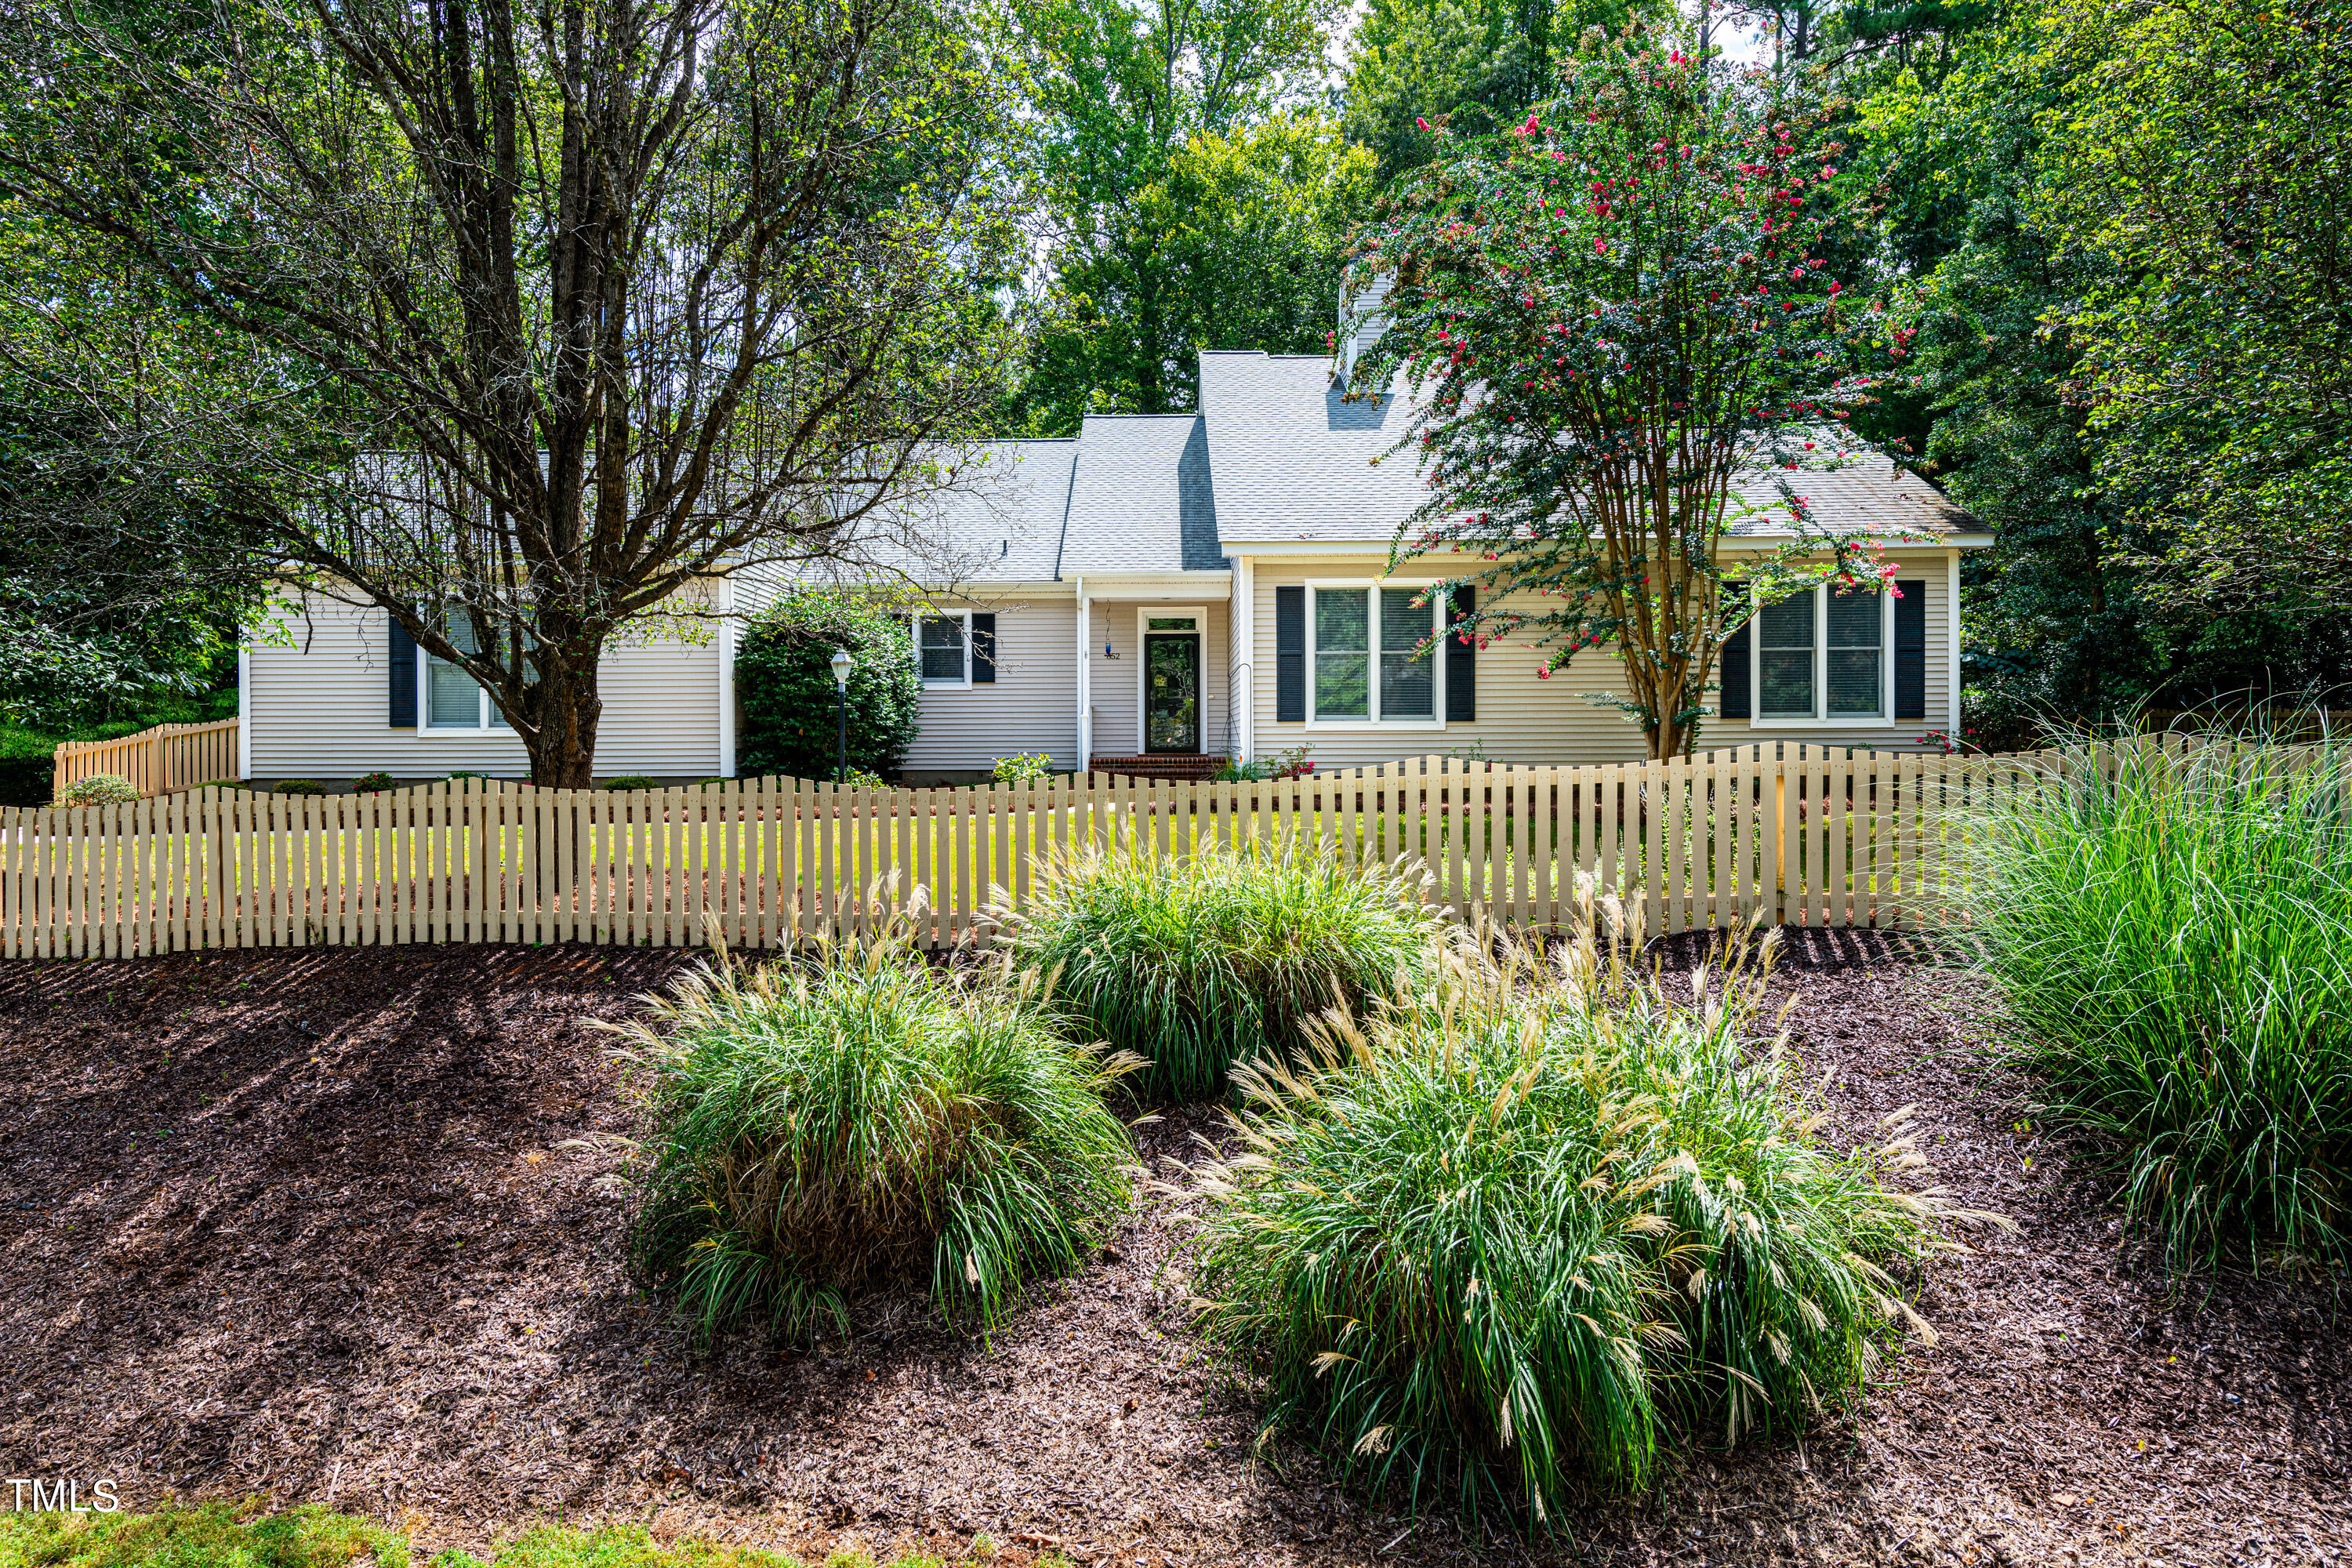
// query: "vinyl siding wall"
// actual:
[[1116, 683], [1523, 718], [316, 710], [1034, 705]]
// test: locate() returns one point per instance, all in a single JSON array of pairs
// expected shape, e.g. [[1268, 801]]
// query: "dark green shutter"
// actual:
[[1290, 656], [402, 678], [1911, 651], [1461, 662], [983, 649], [1733, 663]]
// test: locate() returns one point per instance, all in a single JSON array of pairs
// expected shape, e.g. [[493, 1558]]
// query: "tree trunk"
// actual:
[[560, 731]]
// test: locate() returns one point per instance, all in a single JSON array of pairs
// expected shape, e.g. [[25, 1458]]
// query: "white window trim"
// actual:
[[1436, 720], [486, 709], [916, 641], [1822, 719], [1144, 616]]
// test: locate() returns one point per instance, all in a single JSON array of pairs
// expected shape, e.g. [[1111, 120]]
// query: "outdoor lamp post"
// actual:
[[841, 664]]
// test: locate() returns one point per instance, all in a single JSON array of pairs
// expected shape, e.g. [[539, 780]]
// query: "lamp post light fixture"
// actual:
[[841, 666]]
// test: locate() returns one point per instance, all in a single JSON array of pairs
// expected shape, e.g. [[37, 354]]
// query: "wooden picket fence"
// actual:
[[1809, 836], [160, 761]]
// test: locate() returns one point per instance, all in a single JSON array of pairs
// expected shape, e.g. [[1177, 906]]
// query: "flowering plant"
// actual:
[[1627, 341]]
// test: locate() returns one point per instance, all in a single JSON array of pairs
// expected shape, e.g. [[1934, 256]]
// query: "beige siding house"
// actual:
[[1163, 593]]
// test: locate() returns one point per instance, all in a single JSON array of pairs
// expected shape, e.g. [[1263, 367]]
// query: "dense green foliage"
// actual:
[[783, 685], [1519, 1226], [2089, 602], [1193, 197], [814, 1132], [1195, 965], [1618, 311], [1417, 66], [2172, 939]]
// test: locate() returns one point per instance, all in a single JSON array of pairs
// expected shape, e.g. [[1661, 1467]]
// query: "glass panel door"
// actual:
[[1172, 693]]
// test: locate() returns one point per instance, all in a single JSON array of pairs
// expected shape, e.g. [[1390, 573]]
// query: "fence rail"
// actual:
[[160, 761], [1810, 835]]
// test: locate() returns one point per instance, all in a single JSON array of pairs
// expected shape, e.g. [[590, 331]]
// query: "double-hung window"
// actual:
[[453, 698], [943, 647], [1367, 662], [1822, 655]]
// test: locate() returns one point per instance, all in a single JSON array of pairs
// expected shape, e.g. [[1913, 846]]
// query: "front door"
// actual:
[[1172, 691]]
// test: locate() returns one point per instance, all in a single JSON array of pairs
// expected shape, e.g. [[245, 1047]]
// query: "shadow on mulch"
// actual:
[[328, 1225]]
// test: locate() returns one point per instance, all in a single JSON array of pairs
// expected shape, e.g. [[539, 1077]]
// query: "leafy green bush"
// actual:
[[812, 1134], [632, 780], [375, 783], [784, 681], [299, 786], [27, 766], [1195, 965], [2171, 940], [453, 776], [99, 789], [1491, 1244], [1021, 767]]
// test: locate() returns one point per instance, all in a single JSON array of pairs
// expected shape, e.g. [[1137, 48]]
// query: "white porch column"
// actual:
[[1086, 677], [244, 710], [1243, 677], [725, 595], [1952, 578]]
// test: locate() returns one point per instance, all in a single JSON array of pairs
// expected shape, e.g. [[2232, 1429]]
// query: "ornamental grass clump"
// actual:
[[1196, 964], [820, 1130], [2171, 933], [1497, 1241]]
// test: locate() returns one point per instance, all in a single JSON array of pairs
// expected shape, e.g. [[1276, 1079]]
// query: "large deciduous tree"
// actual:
[[1149, 114], [1614, 316], [2202, 151], [529, 316]]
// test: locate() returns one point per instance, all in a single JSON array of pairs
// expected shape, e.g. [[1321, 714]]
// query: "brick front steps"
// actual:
[[1184, 769]]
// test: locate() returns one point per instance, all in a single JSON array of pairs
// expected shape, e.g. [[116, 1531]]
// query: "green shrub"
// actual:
[[1021, 767], [877, 1121], [1493, 1243], [632, 780], [1194, 965], [783, 681], [299, 786], [99, 789], [462, 773], [2171, 943], [375, 783], [27, 766]]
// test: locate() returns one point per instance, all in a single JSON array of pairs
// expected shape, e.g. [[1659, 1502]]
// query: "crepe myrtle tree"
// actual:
[[524, 320], [1624, 338]]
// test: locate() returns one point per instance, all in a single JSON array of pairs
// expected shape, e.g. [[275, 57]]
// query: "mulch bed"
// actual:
[[323, 1224]]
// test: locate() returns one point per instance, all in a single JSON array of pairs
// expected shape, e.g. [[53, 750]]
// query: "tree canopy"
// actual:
[[1612, 314]]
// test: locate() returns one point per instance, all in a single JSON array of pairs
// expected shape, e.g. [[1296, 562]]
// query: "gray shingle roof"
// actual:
[[1292, 456], [1142, 498], [1293, 460], [1001, 522], [1277, 453]]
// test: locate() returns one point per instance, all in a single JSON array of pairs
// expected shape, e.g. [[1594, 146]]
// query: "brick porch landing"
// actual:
[[1184, 769]]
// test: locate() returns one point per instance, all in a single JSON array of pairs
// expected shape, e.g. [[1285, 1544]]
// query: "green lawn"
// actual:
[[242, 1535]]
